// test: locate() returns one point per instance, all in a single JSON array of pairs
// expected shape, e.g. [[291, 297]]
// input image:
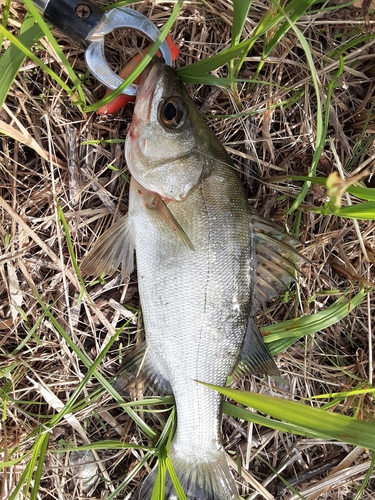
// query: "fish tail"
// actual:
[[199, 480]]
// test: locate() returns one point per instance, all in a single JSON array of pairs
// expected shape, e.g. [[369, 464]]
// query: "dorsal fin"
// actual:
[[276, 265], [277, 261]]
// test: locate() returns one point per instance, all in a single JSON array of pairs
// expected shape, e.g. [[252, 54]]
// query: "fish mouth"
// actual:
[[150, 77]]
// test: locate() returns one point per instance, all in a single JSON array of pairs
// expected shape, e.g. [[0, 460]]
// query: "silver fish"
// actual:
[[205, 261]]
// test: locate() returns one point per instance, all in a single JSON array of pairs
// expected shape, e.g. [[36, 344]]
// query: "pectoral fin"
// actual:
[[173, 224], [114, 247], [153, 201]]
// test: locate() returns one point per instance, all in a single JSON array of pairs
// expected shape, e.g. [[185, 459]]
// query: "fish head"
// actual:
[[168, 141]]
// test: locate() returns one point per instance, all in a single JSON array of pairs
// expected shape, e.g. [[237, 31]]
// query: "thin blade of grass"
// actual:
[[102, 445], [16, 42], [279, 337], [211, 63], [174, 478], [119, 490], [360, 211], [361, 192], [250, 416], [40, 466], [320, 133], [158, 491], [240, 11], [72, 254], [366, 480], [87, 362], [292, 12], [323, 423], [60, 54], [4, 19]]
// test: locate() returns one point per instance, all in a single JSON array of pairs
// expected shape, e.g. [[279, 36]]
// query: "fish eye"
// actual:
[[171, 114]]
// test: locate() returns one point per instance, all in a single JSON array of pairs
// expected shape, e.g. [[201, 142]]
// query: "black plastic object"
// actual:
[[75, 18]]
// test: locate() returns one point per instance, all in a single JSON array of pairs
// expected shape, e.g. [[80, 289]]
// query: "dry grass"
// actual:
[[37, 363]]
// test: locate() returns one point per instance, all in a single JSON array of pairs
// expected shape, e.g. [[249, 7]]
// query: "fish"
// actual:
[[206, 261]]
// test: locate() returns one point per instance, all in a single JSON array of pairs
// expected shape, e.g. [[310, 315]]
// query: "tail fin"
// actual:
[[199, 480]]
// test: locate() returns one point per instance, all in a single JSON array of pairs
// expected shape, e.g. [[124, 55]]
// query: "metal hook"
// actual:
[[114, 19]]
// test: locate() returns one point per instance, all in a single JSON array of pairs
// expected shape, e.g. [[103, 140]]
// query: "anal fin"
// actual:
[[255, 359]]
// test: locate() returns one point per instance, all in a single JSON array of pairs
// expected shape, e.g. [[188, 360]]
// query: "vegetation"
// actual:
[[288, 88]]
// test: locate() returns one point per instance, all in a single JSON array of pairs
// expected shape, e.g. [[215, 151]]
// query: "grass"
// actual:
[[288, 89]]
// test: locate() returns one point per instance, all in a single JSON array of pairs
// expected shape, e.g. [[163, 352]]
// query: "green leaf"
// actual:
[[362, 211], [240, 11], [321, 423], [282, 335], [13, 57]]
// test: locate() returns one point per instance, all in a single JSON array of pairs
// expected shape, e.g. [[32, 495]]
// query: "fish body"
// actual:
[[195, 305], [200, 259]]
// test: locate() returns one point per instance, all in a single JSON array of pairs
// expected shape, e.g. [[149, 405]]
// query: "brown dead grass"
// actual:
[[265, 144]]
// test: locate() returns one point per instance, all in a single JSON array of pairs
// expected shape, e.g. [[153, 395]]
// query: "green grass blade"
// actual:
[[40, 466], [352, 43], [239, 50], [370, 472], [201, 67], [324, 424], [130, 476], [5, 18], [282, 335], [15, 493], [107, 444], [361, 211], [361, 192], [240, 11], [13, 57], [159, 487], [292, 12], [72, 254], [27, 52], [250, 416], [176, 483], [27, 475], [320, 134], [32, 333]]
